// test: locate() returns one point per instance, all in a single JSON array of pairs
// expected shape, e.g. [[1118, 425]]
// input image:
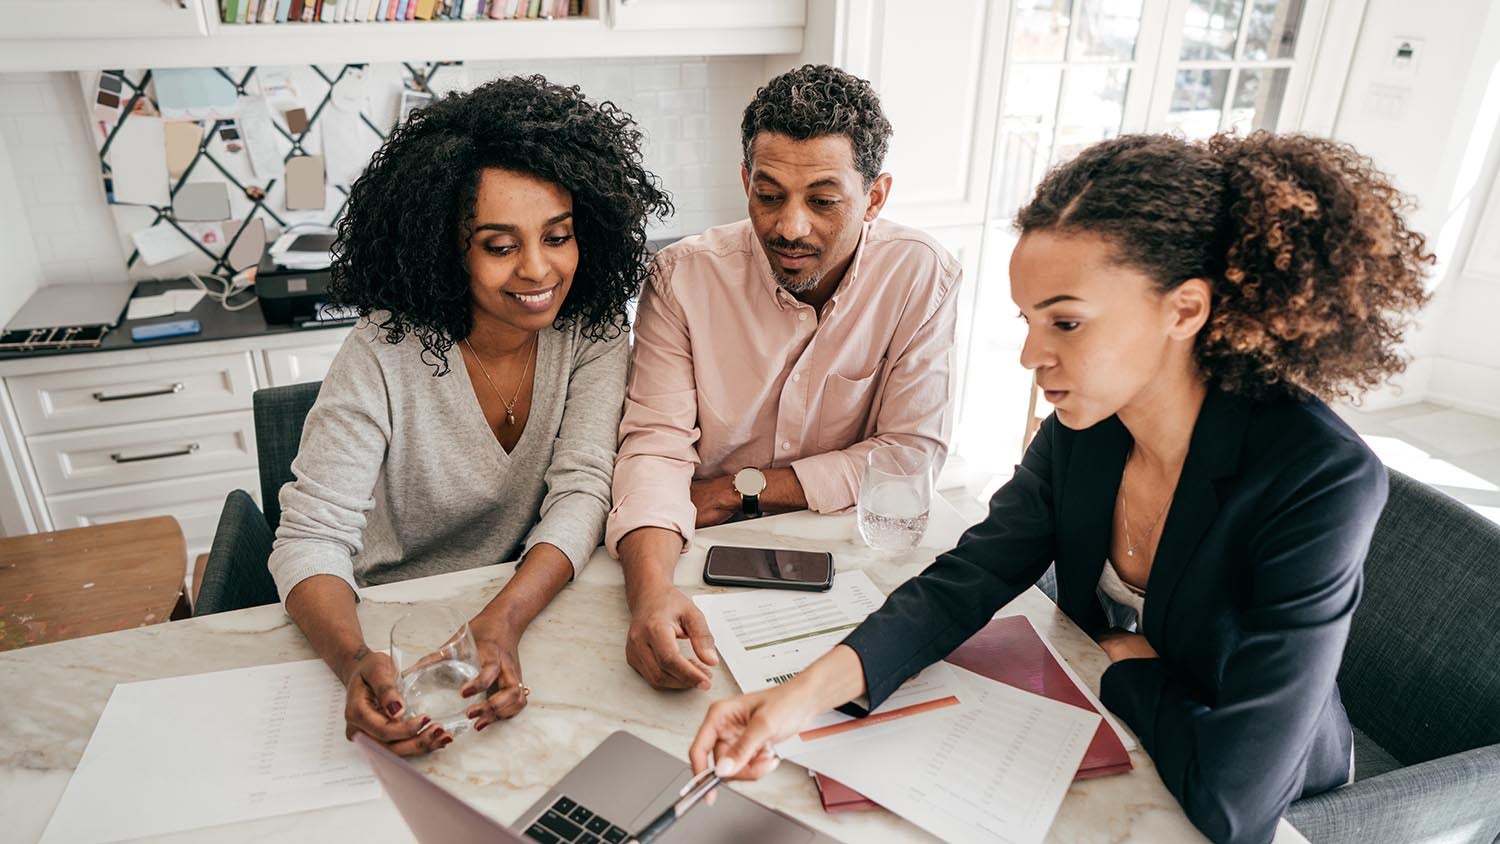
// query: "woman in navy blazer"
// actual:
[[1188, 306]]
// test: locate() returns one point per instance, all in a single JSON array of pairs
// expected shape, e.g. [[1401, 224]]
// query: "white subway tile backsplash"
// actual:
[[43, 129], [28, 97], [655, 77], [694, 75], [53, 219], [680, 102]]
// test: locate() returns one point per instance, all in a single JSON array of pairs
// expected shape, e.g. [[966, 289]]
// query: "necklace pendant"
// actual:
[[1129, 551], [510, 418]]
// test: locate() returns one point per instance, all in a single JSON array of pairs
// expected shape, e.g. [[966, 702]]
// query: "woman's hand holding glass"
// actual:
[[374, 706], [499, 672]]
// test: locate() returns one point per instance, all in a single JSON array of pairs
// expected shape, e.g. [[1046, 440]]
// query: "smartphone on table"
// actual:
[[774, 568]]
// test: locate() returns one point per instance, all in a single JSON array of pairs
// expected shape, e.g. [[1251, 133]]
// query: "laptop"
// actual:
[[73, 304], [616, 790]]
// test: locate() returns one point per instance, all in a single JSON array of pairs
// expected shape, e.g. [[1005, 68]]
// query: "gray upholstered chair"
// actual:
[[235, 575], [1421, 682]]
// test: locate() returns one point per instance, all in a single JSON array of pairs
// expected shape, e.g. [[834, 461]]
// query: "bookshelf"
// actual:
[[608, 29]]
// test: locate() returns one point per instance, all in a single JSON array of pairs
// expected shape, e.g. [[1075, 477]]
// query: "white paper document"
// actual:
[[138, 162], [170, 302], [159, 244], [767, 636], [995, 770], [208, 749]]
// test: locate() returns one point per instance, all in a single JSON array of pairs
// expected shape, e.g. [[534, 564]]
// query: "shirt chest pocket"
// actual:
[[846, 408]]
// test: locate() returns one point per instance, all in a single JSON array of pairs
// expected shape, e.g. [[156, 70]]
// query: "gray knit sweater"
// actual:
[[399, 476]]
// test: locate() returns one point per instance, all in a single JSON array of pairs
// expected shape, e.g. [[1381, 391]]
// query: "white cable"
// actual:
[[241, 283]]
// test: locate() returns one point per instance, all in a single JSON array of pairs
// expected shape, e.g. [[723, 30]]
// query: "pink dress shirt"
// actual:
[[729, 370]]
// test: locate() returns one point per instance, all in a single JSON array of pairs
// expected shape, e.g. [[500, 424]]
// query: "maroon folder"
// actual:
[[1008, 650]]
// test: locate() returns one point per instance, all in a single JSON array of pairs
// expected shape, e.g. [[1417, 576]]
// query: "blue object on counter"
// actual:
[[159, 330]]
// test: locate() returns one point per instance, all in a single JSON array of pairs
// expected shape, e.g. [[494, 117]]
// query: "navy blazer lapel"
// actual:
[[1213, 452], [1092, 482]]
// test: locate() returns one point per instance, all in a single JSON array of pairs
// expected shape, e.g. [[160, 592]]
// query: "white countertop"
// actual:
[[573, 658]]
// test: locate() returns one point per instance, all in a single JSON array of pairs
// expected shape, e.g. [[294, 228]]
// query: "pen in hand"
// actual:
[[695, 790]]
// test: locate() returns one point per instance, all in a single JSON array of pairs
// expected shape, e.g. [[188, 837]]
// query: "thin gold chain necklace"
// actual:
[[1125, 514], [510, 406]]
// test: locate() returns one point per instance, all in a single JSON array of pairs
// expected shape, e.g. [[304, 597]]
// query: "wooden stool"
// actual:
[[95, 579]]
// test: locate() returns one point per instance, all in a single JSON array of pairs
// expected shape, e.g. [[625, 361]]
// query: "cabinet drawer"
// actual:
[[194, 502], [300, 364], [147, 451], [132, 392]]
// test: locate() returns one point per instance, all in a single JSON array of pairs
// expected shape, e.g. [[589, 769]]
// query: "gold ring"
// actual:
[[525, 692]]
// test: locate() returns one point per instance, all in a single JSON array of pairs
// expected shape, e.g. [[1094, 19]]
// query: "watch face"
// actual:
[[749, 481]]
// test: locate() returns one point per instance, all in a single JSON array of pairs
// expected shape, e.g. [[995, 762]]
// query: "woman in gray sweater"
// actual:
[[471, 418]]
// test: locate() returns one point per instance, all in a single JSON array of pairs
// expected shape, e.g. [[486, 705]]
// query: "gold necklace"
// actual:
[[510, 406], [1125, 514]]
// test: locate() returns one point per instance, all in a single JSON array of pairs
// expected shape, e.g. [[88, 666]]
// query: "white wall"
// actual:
[[688, 108], [1432, 127]]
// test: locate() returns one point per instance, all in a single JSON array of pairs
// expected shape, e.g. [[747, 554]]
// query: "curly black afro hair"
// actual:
[[817, 100], [402, 240]]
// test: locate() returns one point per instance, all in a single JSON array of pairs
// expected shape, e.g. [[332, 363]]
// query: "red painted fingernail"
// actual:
[[479, 728], [425, 721], [393, 707]]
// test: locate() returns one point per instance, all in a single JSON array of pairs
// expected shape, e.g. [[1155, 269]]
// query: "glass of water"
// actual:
[[895, 498], [435, 656]]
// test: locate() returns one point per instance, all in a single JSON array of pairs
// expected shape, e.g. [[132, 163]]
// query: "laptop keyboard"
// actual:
[[569, 823]]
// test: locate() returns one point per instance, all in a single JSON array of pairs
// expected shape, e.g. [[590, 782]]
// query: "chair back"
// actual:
[[1421, 672], [279, 415]]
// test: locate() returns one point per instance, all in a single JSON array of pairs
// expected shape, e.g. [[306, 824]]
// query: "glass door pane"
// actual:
[[1272, 33], [1211, 28], [1198, 102], [1234, 64], [1105, 29], [1257, 99]]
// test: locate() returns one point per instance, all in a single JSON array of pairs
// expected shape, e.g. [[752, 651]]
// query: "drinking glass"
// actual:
[[435, 655], [895, 498]]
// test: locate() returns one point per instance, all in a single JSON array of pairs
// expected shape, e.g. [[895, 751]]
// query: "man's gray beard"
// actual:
[[795, 286]]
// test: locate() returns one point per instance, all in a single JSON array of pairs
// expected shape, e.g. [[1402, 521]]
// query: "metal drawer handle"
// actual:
[[181, 452], [164, 391]]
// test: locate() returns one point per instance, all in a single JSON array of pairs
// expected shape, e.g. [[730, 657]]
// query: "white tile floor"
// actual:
[[1454, 451]]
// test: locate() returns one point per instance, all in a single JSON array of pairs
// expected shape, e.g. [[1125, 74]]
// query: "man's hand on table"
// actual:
[[659, 619], [715, 500], [373, 706]]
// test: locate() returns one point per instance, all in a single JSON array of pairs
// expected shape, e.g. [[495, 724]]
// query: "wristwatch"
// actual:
[[750, 483]]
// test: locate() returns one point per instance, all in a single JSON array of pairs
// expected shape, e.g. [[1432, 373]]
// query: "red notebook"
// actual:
[[1008, 650]]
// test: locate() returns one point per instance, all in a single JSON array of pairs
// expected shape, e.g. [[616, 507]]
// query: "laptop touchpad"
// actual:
[[734, 819]]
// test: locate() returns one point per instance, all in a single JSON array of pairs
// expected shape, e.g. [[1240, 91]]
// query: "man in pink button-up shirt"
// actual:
[[793, 342]]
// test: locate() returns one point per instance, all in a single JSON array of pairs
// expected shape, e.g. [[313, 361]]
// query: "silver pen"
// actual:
[[695, 790]]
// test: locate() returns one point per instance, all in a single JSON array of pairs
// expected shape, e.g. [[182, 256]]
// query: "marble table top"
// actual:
[[582, 690]]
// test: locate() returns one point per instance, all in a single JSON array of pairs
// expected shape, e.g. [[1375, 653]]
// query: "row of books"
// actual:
[[346, 11]]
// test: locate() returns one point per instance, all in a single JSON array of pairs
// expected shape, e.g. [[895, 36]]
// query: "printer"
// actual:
[[292, 280]]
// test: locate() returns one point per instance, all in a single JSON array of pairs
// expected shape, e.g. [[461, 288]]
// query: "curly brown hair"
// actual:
[[1314, 273]]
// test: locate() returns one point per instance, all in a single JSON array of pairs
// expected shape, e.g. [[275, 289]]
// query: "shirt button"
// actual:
[[796, 376], [786, 446], [802, 316]]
